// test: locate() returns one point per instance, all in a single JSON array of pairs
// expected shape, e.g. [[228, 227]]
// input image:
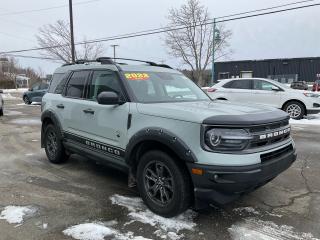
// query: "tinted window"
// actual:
[[43, 86], [55, 81], [238, 84], [35, 87], [104, 81], [262, 85], [76, 84]]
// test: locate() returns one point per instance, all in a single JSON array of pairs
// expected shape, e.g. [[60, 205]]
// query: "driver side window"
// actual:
[[104, 81], [263, 85]]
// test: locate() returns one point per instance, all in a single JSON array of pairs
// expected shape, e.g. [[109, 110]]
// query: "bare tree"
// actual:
[[55, 38], [194, 43]]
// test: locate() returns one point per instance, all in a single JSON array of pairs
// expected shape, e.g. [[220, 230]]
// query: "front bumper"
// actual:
[[221, 185]]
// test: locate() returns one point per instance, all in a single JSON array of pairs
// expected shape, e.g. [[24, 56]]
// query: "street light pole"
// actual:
[[114, 51], [213, 51], [71, 32]]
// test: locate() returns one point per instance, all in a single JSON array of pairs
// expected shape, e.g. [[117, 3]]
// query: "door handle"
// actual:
[[89, 111], [60, 106]]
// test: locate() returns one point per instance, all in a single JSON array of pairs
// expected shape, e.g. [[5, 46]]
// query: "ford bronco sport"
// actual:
[[177, 145]]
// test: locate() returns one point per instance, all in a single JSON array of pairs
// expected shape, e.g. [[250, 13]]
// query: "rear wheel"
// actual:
[[296, 110], [163, 183], [53, 145], [1, 111], [26, 100]]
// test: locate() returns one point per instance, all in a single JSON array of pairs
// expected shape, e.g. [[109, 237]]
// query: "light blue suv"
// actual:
[[177, 145]]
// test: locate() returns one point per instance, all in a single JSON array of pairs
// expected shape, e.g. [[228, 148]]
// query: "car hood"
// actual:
[[211, 112]]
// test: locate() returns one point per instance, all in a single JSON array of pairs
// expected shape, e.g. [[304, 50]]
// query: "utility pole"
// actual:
[[71, 32], [114, 51], [213, 51]]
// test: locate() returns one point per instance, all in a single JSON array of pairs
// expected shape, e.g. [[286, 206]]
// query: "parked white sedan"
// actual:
[[297, 103]]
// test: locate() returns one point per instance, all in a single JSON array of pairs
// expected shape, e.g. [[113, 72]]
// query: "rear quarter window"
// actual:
[[56, 83]]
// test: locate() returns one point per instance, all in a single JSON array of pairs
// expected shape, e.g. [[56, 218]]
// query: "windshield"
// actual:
[[151, 87]]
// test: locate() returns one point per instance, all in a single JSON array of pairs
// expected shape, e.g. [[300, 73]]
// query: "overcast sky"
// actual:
[[284, 35]]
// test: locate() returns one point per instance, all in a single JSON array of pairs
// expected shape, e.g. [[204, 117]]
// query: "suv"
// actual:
[[297, 103], [151, 121], [35, 93]]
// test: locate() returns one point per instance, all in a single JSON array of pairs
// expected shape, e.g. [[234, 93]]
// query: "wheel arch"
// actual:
[[156, 139], [48, 117]]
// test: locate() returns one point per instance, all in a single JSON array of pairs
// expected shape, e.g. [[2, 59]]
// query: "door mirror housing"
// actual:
[[109, 98], [276, 89], [30, 89]]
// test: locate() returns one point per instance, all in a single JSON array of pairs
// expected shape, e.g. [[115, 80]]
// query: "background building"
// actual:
[[282, 70]]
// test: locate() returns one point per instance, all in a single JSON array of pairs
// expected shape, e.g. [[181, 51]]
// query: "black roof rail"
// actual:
[[109, 60]]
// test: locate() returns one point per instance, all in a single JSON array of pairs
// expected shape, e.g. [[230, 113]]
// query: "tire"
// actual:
[[26, 100], [296, 110], [1, 112], [176, 193], [53, 145]]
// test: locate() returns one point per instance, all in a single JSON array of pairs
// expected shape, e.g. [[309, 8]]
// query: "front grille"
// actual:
[[276, 154], [269, 134]]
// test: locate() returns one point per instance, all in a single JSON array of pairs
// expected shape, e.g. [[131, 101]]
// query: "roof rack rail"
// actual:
[[109, 60]]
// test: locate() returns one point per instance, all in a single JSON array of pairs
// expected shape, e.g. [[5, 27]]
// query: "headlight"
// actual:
[[311, 95], [219, 139]]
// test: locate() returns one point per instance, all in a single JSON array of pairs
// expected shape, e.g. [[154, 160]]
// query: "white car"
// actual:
[[297, 103]]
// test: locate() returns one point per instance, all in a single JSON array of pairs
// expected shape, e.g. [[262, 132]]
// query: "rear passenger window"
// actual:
[[76, 84], [104, 81], [238, 84]]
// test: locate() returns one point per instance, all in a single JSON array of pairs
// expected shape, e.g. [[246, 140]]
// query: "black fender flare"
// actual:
[[49, 115], [156, 134]]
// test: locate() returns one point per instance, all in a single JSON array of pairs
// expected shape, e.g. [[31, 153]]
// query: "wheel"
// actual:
[[53, 146], [295, 109], [1, 112], [163, 183], [26, 100]]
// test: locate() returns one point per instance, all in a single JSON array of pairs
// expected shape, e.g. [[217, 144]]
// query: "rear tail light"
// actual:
[[212, 90]]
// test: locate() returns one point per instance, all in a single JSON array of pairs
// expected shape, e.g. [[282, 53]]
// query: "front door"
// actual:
[[265, 92], [105, 124]]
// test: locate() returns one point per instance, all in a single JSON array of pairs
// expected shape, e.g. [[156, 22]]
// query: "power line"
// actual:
[[162, 30], [34, 57], [47, 9]]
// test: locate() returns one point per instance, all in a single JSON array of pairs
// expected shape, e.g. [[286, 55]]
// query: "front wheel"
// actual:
[[163, 183], [53, 146], [1, 112], [295, 109], [26, 100]]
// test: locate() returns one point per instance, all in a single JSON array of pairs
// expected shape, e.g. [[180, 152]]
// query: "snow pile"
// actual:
[[8, 96], [98, 231], [310, 120], [18, 90], [16, 214], [253, 229], [166, 227]]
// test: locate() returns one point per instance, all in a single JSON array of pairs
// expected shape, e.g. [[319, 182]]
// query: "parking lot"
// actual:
[[82, 197]]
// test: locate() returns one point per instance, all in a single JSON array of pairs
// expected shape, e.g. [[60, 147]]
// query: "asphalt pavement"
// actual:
[[83, 193]]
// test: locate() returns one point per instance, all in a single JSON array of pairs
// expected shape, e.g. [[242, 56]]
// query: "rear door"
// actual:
[[265, 92], [71, 104], [239, 90]]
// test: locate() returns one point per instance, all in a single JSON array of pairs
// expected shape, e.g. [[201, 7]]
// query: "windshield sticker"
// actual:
[[137, 76]]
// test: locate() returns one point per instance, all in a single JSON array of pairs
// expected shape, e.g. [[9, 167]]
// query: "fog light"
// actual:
[[197, 171]]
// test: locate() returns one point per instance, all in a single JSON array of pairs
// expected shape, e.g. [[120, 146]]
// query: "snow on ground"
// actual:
[[8, 96], [240, 210], [16, 214], [98, 231], [167, 228], [26, 121], [254, 229], [19, 90], [310, 120]]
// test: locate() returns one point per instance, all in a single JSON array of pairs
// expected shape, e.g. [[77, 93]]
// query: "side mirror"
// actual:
[[109, 98], [30, 89], [276, 89], [1, 91]]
